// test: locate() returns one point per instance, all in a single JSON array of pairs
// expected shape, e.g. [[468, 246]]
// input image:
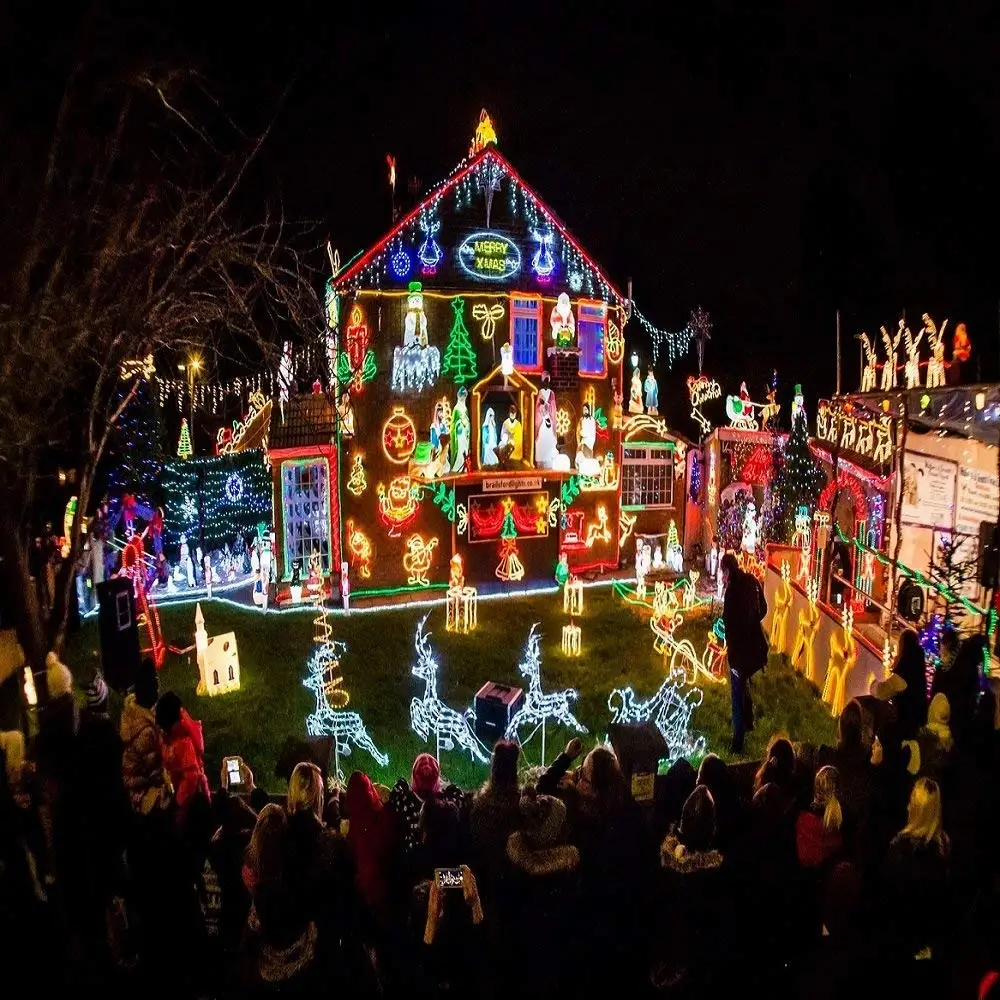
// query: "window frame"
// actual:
[[525, 311], [312, 462], [667, 460], [603, 306]]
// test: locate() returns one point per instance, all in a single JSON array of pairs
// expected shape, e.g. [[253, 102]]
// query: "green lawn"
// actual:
[[617, 651]]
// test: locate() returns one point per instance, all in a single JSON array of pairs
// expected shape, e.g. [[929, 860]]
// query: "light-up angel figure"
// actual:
[[843, 656], [431, 715], [325, 680], [803, 654], [911, 370], [935, 340], [868, 373], [889, 372], [670, 710], [782, 604], [539, 707]]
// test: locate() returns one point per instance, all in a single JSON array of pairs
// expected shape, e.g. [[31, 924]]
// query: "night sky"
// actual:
[[771, 163]]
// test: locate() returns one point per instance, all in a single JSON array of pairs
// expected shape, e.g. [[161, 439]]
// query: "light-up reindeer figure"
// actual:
[[782, 604], [843, 656], [669, 710], [935, 340], [539, 707], [431, 715], [911, 370], [345, 727], [690, 593], [889, 374], [803, 654], [868, 376]]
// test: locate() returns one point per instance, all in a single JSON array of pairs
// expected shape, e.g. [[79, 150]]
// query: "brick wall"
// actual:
[[564, 369]]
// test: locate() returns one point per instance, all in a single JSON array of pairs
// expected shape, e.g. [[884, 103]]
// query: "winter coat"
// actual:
[[493, 817], [184, 759], [406, 805], [744, 609], [142, 758], [370, 841], [815, 846], [916, 884], [317, 867]]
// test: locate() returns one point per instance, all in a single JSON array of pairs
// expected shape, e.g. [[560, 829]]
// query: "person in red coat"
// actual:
[[183, 753], [818, 839], [370, 838]]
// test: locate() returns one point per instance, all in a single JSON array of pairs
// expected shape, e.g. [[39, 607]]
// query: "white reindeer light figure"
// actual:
[[539, 707], [889, 376], [911, 370], [669, 710], [431, 715], [935, 340], [868, 372]]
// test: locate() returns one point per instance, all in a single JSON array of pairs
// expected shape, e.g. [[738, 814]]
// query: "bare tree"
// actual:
[[128, 242]]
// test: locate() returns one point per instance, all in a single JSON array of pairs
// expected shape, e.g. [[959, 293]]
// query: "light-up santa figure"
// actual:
[[562, 322], [635, 393], [586, 441], [545, 425], [460, 432]]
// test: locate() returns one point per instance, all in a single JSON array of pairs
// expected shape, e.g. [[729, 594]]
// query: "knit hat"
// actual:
[[58, 677], [97, 695], [425, 779], [543, 820]]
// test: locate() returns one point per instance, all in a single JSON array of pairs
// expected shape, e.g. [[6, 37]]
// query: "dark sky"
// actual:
[[772, 163]]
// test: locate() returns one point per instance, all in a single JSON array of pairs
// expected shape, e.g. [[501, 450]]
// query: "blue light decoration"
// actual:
[[489, 256], [543, 263], [695, 487], [430, 252], [575, 281], [401, 263], [234, 487]]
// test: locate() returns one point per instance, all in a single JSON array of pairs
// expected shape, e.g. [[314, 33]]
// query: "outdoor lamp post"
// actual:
[[192, 368]]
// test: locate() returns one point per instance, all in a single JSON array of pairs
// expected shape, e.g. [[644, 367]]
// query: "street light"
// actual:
[[192, 368]]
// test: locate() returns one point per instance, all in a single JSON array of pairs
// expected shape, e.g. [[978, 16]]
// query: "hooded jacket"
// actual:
[[142, 757], [184, 759]]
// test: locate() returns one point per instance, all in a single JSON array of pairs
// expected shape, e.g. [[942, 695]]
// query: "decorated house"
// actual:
[[477, 358]]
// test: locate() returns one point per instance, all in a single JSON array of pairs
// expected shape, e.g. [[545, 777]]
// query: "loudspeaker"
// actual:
[[989, 554], [911, 601], [496, 705], [639, 747], [119, 632]]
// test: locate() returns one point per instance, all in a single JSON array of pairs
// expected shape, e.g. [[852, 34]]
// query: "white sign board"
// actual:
[[928, 491], [978, 496], [510, 484]]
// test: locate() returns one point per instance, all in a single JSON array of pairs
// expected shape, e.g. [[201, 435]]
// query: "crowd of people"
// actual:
[[857, 868]]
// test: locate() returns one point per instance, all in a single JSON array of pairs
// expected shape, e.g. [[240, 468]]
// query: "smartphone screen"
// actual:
[[233, 771], [449, 878]]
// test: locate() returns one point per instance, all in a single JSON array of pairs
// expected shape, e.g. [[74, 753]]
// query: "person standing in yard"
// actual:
[[746, 646]]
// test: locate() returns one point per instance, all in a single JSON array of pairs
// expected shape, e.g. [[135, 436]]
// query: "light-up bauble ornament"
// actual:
[[401, 263], [399, 436]]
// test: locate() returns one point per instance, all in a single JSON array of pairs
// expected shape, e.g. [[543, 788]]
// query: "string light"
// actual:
[[538, 707], [429, 714], [675, 343]]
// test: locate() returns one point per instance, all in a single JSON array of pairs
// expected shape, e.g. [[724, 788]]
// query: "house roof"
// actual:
[[514, 378], [309, 419], [489, 155]]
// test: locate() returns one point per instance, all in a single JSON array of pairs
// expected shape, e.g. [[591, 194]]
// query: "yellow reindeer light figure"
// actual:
[[782, 604], [843, 656], [803, 655]]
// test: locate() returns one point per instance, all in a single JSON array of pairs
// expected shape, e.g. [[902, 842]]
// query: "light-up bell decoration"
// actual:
[[782, 604], [573, 596], [539, 707], [843, 657], [803, 654], [429, 714], [461, 602]]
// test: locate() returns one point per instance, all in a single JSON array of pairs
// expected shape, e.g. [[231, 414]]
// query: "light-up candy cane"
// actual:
[[431, 715], [803, 655], [538, 706], [843, 656]]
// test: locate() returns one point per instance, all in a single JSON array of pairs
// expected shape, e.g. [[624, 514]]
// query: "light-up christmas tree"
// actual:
[[799, 480], [459, 360], [184, 449], [137, 443]]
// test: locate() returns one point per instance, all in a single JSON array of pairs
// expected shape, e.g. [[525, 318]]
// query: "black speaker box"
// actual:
[[496, 705], [989, 555], [119, 632]]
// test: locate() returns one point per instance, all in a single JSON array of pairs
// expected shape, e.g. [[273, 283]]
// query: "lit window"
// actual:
[[526, 331], [591, 320], [647, 477], [305, 502]]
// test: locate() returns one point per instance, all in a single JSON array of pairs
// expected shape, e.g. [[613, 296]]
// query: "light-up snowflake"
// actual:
[[234, 487], [670, 710], [189, 510], [431, 715]]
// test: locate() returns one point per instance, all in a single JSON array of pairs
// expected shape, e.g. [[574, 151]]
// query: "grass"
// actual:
[[272, 703]]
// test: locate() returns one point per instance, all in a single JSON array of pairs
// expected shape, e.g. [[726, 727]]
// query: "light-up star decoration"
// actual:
[[542, 262], [325, 680], [670, 710], [485, 134], [431, 715], [539, 707]]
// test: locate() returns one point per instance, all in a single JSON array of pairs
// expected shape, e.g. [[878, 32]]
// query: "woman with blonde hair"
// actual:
[[818, 838], [305, 790], [918, 876]]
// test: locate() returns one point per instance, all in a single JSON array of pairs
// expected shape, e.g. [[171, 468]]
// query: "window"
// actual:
[[591, 318], [526, 331], [305, 503], [648, 477]]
